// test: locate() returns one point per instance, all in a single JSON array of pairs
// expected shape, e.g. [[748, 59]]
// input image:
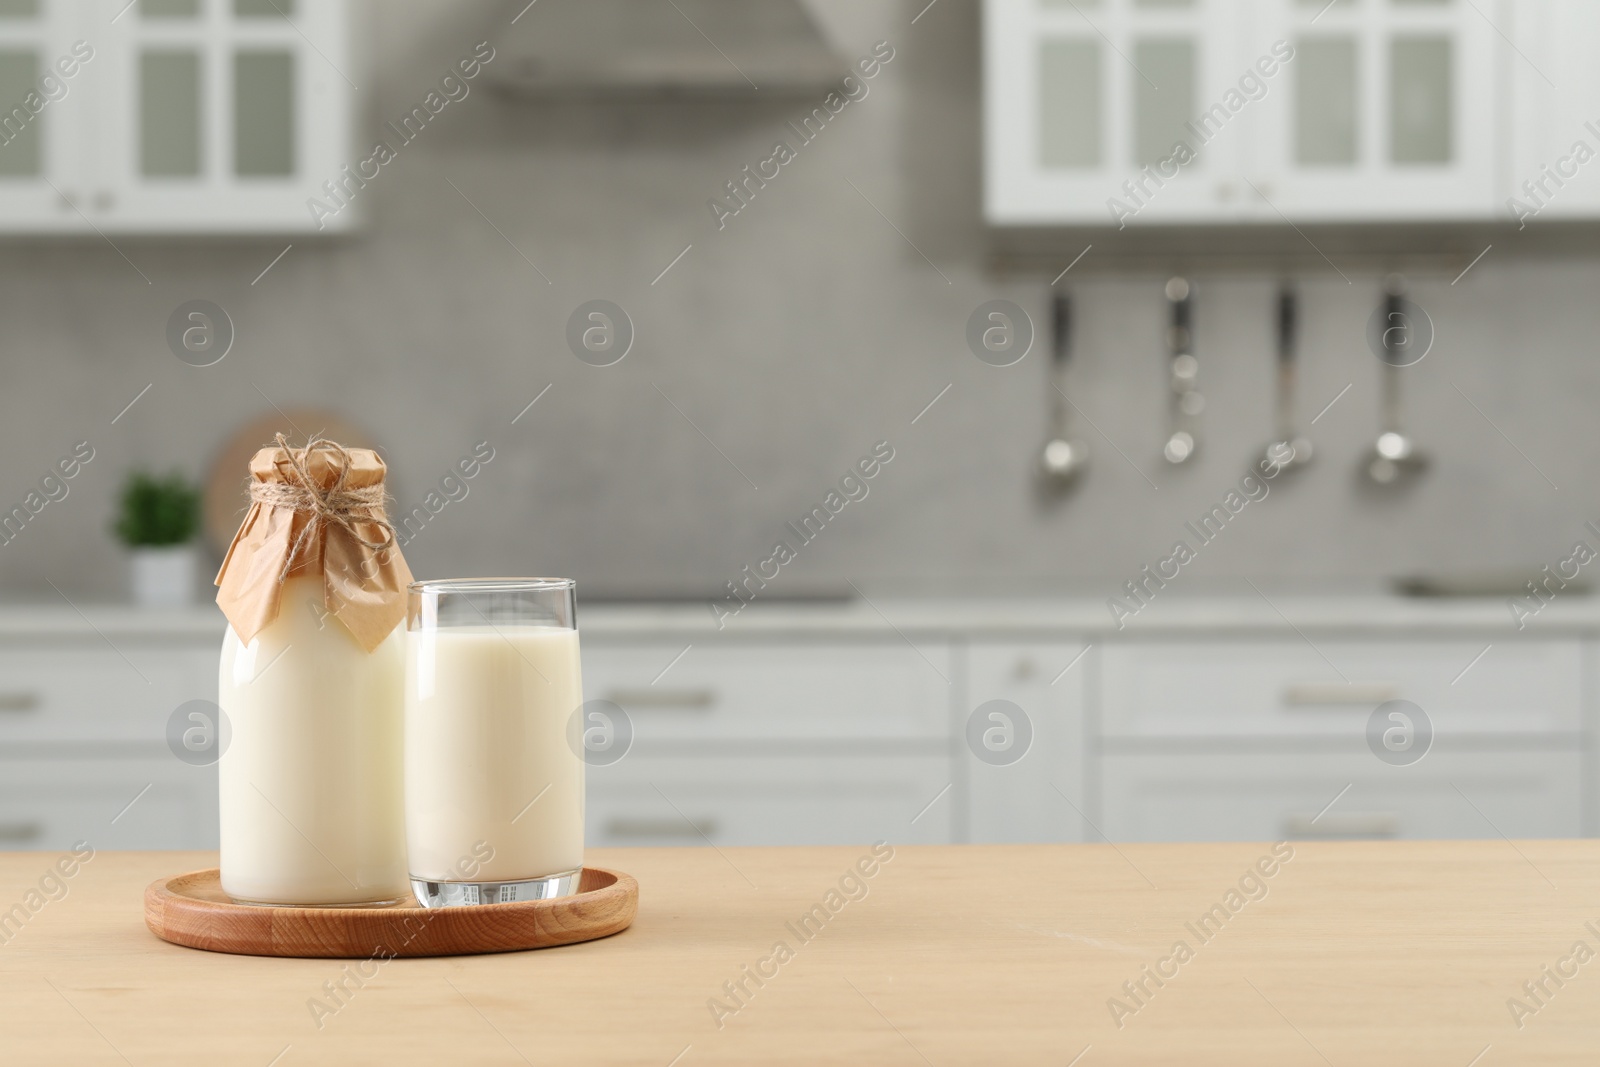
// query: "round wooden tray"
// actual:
[[191, 909]]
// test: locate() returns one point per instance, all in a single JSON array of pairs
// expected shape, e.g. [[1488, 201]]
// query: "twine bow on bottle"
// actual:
[[318, 510], [334, 506]]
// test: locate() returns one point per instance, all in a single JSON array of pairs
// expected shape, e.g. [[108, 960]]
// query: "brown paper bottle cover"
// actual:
[[316, 510]]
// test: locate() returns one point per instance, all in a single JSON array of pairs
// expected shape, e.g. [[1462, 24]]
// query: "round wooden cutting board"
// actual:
[[191, 909]]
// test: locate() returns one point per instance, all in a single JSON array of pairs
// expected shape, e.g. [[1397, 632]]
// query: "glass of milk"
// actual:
[[493, 782]]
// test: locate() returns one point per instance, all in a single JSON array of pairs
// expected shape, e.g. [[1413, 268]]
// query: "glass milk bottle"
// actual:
[[311, 685]]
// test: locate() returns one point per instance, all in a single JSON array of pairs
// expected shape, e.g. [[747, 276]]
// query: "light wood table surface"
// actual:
[[1358, 954]]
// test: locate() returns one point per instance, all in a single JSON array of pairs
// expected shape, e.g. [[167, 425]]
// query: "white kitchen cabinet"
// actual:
[[1353, 111], [764, 742], [78, 692], [41, 151], [1554, 167], [178, 116], [1208, 795], [1042, 793], [706, 691], [84, 712], [146, 801], [824, 735], [1079, 96], [1241, 739], [815, 798], [1271, 691], [1389, 110]]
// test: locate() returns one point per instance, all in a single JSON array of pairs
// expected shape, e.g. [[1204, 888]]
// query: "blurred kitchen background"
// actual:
[[1378, 170]]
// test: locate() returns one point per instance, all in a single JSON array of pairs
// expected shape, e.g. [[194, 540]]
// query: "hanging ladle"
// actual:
[[1290, 449], [1394, 455], [1064, 456]]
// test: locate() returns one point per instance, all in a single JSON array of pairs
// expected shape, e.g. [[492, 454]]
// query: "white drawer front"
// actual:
[[49, 804], [1036, 794], [862, 690], [91, 693], [1286, 688], [1267, 796], [770, 800]]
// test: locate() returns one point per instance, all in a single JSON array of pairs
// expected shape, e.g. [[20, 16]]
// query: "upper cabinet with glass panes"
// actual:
[[173, 116], [1133, 112]]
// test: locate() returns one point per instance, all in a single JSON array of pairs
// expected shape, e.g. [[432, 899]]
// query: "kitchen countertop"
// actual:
[[1175, 615], [1346, 953]]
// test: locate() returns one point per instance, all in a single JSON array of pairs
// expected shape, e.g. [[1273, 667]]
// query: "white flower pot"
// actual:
[[163, 577]]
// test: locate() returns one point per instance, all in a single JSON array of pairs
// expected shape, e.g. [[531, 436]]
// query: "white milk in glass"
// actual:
[[488, 760], [312, 800]]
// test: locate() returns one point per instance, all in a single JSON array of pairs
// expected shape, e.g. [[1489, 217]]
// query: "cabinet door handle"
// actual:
[[1338, 694], [625, 826], [17, 701], [15, 833], [1356, 824], [675, 699]]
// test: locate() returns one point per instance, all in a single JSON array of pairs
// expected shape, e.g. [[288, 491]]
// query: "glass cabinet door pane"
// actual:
[[1069, 103], [1325, 101], [19, 128], [169, 114], [1163, 95], [1421, 115], [263, 113], [169, 9], [263, 9]]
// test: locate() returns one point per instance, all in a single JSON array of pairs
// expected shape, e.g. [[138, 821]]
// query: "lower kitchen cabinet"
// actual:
[[1250, 690], [84, 711], [773, 691], [1020, 742], [815, 737], [774, 742], [152, 802], [1202, 795], [78, 692], [819, 798]]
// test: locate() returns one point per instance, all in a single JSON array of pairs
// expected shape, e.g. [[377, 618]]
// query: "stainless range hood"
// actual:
[[644, 48]]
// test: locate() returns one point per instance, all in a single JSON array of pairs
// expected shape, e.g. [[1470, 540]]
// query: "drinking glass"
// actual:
[[494, 786]]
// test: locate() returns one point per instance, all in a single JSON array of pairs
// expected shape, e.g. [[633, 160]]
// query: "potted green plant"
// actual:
[[157, 521]]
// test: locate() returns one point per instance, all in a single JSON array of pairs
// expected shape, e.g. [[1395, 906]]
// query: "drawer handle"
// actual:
[[1356, 824], [17, 701], [676, 699], [17, 832], [1338, 694], [675, 828]]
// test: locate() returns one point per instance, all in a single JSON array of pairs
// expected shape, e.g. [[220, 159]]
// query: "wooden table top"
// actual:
[[1346, 953]]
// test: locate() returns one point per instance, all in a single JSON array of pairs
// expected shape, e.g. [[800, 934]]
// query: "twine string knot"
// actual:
[[333, 506]]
